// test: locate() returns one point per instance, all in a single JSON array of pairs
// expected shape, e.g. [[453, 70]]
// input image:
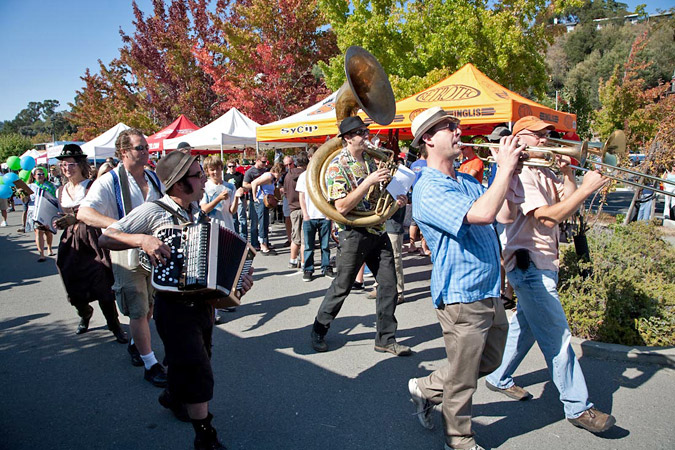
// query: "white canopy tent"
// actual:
[[103, 146], [231, 131]]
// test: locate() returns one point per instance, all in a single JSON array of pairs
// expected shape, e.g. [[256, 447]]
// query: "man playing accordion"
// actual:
[[184, 320]]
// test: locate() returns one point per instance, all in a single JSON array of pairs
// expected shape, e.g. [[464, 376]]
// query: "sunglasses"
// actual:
[[231, 167], [65, 165], [452, 126], [141, 148], [538, 134], [362, 132]]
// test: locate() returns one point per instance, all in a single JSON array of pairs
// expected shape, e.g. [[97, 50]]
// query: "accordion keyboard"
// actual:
[[169, 274]]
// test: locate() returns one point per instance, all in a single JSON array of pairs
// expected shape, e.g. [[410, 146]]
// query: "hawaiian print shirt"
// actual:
[[343, 175]]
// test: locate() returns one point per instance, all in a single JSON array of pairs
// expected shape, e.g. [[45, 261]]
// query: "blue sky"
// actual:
[[47, 45]]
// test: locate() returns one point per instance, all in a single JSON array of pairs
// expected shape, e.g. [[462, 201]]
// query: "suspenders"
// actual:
[[122, 193]]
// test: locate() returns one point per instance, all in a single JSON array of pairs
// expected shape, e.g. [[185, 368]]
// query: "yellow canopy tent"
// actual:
[[469, 94]]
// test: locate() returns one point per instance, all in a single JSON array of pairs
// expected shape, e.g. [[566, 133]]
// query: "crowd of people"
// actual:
[[493, 242]]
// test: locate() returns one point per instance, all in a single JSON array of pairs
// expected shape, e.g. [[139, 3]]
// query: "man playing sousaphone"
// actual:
[[349, 178]]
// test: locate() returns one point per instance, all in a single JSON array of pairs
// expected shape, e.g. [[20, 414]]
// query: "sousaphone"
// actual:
[[367, 88]]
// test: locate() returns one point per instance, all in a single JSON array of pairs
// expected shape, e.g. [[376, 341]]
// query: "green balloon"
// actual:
[[14, 163], [24, 175], [2, 181]]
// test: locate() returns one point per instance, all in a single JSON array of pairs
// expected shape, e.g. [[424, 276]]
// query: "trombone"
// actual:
[[606, 155]]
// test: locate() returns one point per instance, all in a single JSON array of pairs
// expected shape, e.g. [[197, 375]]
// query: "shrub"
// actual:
[[630, 296]]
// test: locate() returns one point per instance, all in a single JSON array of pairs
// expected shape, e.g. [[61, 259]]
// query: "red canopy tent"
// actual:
[[178, 127]]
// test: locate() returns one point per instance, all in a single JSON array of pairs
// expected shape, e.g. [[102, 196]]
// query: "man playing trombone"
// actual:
[[531, 262]]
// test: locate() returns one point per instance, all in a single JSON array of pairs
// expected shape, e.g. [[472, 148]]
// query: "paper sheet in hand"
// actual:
[[402, 181], [46, 209]]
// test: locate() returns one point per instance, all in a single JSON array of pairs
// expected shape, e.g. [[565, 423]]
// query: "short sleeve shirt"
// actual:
[[473, 164], [148, 217], [252, 173], [344, 174], [465, 257], [222, 209], [234, 178], [102, 197], [312, 211], [542, 188], [290, 187]]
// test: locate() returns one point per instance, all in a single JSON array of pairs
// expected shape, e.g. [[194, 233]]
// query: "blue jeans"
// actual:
[[309, 229], [540, 317], [260, 222], [241, 222]]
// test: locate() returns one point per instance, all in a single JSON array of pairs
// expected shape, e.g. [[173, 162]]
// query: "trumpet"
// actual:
[[604, 155]]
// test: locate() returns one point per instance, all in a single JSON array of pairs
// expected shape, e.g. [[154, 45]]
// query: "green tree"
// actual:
[[421, 42], [13, 144]]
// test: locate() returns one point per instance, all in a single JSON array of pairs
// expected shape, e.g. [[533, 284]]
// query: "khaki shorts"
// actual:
[[296, 226], [133, 291], [3, 204]]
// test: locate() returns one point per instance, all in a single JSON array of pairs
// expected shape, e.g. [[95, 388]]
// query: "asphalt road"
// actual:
[[66, 392]]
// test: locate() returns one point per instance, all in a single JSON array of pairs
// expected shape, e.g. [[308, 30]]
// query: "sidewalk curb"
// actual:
[[663, 356]]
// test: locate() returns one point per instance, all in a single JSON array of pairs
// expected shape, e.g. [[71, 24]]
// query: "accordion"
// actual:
[[206, 258]]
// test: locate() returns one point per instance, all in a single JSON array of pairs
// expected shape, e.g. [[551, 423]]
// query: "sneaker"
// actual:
[[328, 272], [594, 421], [372, 294], [422, 405], [319, 342], [395, 349], [357, 286], [307, 276], [156, 375], [136, 359], [293, 265], [3, 223], [514, 392]]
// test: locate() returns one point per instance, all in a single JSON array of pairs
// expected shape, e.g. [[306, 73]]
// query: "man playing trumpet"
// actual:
[[349, 178], [456, 214]]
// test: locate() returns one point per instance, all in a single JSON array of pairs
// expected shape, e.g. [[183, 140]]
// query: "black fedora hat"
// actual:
[[350, 124], [71, 151]]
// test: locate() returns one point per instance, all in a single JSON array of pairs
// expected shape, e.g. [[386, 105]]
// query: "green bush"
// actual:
[[630, 296]]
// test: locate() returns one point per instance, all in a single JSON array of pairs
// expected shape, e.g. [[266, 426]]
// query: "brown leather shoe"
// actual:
[[514, 392], [594, 421], [395, 349]]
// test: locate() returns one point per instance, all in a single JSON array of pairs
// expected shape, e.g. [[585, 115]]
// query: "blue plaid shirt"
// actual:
[[465, 257]]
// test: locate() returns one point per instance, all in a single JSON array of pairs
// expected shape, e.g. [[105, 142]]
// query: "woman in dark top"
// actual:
[[84, 267]]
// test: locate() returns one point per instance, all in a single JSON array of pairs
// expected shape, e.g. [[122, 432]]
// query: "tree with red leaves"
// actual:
[[264, 57], [160, 55], [108, 97]]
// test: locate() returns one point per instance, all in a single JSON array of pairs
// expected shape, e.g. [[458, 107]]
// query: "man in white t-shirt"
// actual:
[[110, 198], [313, 220]]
